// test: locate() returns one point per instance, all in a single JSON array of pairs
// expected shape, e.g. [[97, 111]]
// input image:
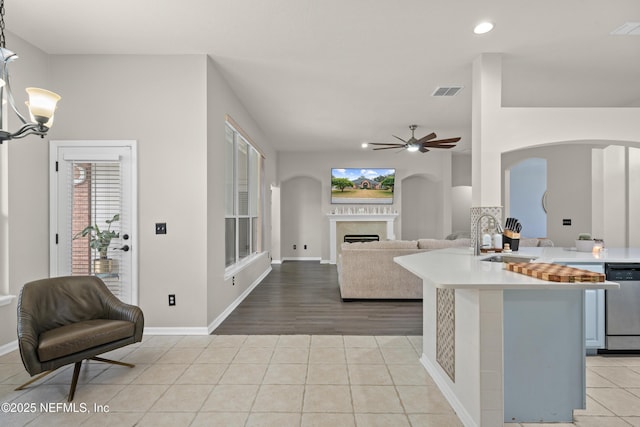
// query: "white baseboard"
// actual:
[[301, 258], [325, 261], [218, 320], [196, 330], [453, 400], [276, 261], [8, 347]]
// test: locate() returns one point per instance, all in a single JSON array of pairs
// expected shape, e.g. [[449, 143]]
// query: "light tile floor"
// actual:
[[222, 380], [270, 380]]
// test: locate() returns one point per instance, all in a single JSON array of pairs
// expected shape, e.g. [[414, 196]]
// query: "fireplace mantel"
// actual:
[[388, 218]]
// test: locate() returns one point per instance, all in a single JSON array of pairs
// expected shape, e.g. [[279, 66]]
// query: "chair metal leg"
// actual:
[[76, 374], [32, 380], [113, 362], [74, 380]]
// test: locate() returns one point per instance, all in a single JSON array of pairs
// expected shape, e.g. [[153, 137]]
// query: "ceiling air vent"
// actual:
[[447, 91]]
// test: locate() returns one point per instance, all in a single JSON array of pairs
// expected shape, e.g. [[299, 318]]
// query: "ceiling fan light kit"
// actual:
[[412, 144]]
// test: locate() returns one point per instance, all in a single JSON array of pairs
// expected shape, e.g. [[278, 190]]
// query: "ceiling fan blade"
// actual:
[[389, 148], [423, 149], [445, 141], [439, 146], [387, 143], [427, 138], [397, 137]]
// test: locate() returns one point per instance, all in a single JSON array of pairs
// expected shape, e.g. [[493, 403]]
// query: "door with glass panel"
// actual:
[[93, 213]]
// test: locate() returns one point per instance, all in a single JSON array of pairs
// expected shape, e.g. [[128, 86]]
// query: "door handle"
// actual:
[[125, 248]]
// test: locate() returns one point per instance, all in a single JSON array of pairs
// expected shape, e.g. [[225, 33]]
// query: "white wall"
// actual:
[[616, 206], [317, 165], [615, 195], [634, 200], [496, 129]]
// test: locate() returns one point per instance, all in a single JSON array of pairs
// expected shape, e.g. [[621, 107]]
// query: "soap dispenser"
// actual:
[[486, 238], [497, 240]]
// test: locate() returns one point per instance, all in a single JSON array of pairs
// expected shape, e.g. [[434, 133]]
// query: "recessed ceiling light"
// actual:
[[483, 27], [365, 145]]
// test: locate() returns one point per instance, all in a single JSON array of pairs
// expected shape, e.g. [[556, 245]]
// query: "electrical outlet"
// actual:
[[294, 247], [566, 221], [172, 299], [305, 247], [161, 228], [233, 281]]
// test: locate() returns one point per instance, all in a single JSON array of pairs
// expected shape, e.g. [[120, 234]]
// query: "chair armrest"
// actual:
[[28, 342], [117, 310]]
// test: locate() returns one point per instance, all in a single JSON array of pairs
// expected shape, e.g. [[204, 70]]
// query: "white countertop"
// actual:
[[570, 255], [459, 268]]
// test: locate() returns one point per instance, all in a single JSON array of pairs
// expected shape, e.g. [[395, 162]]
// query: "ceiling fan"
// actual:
[[423, 144]]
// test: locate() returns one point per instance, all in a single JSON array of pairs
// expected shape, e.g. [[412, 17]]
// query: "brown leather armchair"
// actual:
[[64, 320]]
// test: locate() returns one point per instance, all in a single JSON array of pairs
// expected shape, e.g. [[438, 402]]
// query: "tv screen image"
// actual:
[[362, 185]]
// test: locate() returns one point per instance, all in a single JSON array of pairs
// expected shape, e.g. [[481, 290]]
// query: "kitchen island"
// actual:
[[502, 346]]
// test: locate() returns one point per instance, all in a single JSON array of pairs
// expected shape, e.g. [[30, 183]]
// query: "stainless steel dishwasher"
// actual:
[[622, 307]]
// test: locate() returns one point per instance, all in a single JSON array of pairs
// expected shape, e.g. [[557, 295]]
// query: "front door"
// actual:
[[93, 216]]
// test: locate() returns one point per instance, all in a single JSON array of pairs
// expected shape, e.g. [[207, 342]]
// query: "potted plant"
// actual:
[[584, 242], [100, 240]]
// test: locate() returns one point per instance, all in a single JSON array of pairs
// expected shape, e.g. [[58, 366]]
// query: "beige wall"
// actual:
[[569, 188], [140, 98], [28, 189], [299, 221], [174, 107], [435, 165], [223, 291]]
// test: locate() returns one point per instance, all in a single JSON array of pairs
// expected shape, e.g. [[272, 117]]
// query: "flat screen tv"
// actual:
[[362, 186]]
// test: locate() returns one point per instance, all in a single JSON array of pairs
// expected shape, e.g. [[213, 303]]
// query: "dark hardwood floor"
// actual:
[[303, 297]]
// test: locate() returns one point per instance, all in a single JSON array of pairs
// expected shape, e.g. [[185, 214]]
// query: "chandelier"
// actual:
[[41, 103]]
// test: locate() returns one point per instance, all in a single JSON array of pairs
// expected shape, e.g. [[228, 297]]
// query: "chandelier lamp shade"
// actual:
[[42, 103]]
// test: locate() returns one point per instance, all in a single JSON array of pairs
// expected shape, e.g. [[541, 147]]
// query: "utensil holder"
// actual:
[[512, 238]]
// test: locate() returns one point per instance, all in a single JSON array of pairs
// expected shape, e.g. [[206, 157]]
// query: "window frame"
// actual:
[[254, 204]]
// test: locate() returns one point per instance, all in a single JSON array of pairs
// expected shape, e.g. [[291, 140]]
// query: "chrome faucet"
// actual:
[[478, 232]]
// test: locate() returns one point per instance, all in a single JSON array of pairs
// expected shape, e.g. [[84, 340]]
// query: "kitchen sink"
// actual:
[[508, 258]]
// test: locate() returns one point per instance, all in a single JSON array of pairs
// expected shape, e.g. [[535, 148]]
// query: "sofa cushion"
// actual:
[[76, 337], [458, 235], [384, 244], [433, 244]]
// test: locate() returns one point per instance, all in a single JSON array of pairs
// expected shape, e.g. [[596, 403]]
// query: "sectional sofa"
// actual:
[[366, 270]]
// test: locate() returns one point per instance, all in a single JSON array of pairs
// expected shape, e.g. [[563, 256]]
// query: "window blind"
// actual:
[[96, 207]]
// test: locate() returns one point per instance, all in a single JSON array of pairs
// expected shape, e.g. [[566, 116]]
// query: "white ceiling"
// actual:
[[329, 74]]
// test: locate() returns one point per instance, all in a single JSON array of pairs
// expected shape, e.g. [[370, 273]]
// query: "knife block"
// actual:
[[512, 238]]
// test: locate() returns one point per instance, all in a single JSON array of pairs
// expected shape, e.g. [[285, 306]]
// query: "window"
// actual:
[[243, 189]]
